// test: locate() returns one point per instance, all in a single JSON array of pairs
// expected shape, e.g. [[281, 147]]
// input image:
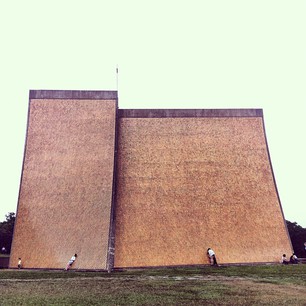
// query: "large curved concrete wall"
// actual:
[[133, 188], [67, 181], [188, 183]]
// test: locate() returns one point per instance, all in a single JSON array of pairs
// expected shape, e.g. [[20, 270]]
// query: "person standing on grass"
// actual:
[[71, 261], [212, 257], [19, 263]]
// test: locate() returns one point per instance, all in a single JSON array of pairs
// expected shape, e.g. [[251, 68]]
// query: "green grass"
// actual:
[[233, 285]]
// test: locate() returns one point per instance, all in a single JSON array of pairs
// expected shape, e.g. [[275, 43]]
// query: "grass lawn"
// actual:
[[232, 285]]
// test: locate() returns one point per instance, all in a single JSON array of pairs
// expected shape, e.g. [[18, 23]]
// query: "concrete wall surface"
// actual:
[[187, 184], [139, 188], [67, 182]]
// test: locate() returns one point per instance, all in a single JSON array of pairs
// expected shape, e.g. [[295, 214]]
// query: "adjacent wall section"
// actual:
[[192, 179], [66, 191]]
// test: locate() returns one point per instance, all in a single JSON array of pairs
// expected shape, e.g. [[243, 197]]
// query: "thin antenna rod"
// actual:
[[117, 78]]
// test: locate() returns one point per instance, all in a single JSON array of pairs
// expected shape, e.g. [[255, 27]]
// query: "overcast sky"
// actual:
[[170, 54]]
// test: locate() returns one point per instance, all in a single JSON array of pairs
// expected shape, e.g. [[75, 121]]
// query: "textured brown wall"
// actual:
[[66, 190], [186, 184]]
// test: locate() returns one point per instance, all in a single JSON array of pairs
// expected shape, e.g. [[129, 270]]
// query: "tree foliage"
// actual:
[[6, 231], [298, 237]]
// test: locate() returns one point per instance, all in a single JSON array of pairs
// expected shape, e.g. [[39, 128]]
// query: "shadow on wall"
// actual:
[[4, 262]]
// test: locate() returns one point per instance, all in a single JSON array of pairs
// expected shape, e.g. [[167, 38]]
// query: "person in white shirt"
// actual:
[[19, 263], [294, 259], [284, 260], [71, 261], [212, 257]]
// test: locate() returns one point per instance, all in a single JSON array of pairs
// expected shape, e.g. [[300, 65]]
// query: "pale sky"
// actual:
[[170, 54]]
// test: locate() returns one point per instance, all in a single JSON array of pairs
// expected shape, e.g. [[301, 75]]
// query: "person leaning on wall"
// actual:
[[19, 263], [284, 260], [212, 257], [71, 261]]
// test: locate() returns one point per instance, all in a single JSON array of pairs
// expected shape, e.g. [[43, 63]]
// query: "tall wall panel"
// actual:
[[189, 180], [66, 191]]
